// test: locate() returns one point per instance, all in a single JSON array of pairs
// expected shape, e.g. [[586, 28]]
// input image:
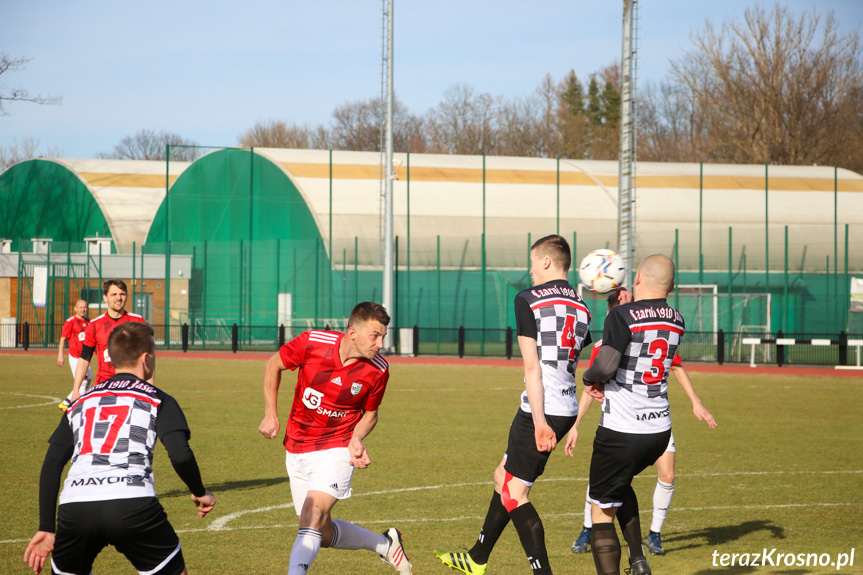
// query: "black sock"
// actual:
[[605, 547], [630, 524], [496, 521], [527, 523]]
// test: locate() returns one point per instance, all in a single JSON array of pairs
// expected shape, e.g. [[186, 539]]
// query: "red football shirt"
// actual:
[[330, 398], [674, 362], [96, 336], [73, 330]]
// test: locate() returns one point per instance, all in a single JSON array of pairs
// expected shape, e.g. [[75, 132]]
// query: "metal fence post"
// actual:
[[720, 347], [780, 349], [843, 348], [185, 336], [281, 335], [461, 341], [235, 338], [416, 340], [509, 343], [26, 336]]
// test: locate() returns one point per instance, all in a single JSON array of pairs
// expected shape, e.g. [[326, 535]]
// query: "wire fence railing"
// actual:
[[843, 349]]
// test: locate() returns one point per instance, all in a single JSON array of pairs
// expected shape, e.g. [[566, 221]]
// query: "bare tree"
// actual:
[[526, 126], [464, 123], [276, 134], [152, 145], [357, 126], [775, 88], [16, 151], [7, 95]]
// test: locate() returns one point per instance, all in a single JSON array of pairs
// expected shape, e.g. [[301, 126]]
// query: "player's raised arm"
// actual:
[[270, 425]]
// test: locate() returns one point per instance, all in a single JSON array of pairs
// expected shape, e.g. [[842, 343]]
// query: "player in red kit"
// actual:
[[73, 330], [340, 385], [97, 332]]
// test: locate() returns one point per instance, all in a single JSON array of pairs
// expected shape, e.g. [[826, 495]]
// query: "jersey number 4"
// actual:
[[659, 352], [115, 414], [567, 338]]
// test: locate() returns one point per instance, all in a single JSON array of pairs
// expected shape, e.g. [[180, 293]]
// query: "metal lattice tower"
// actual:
[[626, 170]]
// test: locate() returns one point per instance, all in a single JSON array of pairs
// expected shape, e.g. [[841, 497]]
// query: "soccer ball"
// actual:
[[602, 271]]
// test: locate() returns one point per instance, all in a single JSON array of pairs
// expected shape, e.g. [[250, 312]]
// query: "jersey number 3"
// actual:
[[659, 351], [115, 414]]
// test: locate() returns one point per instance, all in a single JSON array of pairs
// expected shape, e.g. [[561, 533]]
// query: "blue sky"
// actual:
[[210, 70]]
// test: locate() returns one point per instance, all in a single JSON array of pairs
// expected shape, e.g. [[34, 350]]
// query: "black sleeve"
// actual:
[[616, 333], [183, 460], [588, 339], [59, 453], [525, 322], [87, 352], [172, 429], [171, 418]]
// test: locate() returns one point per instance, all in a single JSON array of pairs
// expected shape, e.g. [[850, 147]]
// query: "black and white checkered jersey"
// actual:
[[556, 317], [647, 333], [114, 427]]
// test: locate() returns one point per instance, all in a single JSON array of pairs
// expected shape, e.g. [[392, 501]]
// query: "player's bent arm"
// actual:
[[697, 408], [183, 461], [270, 425], [60, 350], [359, 454], [583, 406], [81, 370], [603, 367]]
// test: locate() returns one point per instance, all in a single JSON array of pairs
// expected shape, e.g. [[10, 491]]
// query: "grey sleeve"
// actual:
[[603, 367]]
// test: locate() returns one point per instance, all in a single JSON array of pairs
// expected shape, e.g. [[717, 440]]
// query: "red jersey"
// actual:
[[73, 330], [674, 362], [96, 337], [330, 398]]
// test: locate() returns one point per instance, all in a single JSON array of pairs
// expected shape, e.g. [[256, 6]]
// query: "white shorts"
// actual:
[[671, 447], [329, 471], [73, 363]]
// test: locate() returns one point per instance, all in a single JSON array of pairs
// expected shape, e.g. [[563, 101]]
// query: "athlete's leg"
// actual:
[[664, 492]]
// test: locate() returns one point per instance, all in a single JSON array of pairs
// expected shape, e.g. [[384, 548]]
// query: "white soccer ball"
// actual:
[[602, 271]]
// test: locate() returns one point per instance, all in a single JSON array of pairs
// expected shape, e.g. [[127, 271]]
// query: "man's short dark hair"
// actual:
[[128, 341], [108, 283], [557, 248], [367, 310]]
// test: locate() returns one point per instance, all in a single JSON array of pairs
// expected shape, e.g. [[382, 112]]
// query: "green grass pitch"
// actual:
[[783, 470]]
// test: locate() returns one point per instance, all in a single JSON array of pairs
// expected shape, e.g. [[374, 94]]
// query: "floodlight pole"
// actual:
[[388, 189], [625, 195]]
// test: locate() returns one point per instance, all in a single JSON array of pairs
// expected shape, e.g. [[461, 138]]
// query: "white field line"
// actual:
[[51, 400], [221, 524]]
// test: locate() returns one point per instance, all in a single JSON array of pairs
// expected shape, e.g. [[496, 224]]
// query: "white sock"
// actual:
[[349, 536], [305, 550], [662, 496], [588, 518]]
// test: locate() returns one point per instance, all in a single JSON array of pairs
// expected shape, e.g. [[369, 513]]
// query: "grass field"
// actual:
[[783, 470]]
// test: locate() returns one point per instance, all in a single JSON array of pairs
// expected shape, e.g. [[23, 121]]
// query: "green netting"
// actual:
[[251, 235], [41, 198]]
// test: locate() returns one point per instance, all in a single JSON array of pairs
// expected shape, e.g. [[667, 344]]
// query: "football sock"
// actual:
[[496, 521], [662, 496], [588, 518], [346, 535], [630, 524], [305, 550], [605, 547], [528, 525]]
